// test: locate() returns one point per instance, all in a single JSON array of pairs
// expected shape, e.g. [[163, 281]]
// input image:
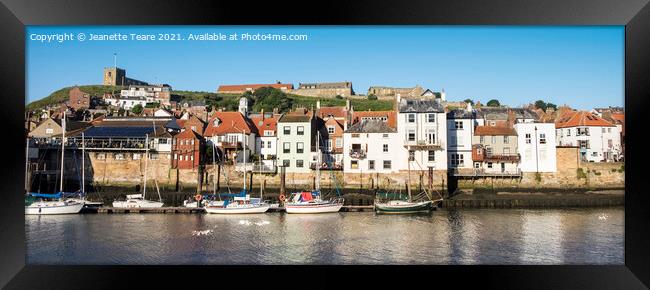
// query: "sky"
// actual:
[[581, 66]]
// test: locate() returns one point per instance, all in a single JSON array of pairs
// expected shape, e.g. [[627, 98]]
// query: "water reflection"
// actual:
[[568, 236]]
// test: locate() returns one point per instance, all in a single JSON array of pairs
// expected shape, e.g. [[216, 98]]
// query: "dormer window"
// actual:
[[216, 122]]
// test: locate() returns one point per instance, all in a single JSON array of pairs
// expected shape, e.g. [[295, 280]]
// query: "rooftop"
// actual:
[[370, 126], [581, 118], [494, 131], [420, 106]]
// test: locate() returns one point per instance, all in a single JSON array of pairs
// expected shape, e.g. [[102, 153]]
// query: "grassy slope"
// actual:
[[229, 101]]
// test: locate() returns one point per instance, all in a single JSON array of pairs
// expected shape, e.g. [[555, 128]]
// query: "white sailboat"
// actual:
[[311, 201], [241, 203], [59, 206], [138, 200]]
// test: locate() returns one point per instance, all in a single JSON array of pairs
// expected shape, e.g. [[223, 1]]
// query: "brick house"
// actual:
[[78, 99], [188, 148]]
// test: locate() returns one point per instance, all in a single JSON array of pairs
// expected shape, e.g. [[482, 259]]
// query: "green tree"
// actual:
[[137, 109], [540, 105], [372, 97], [338, 97], [268, 98], [552, 106], [493, 103], [469, 101]]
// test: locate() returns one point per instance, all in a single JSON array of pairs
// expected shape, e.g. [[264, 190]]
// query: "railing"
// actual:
[[326, 166], [357, 153], [502, 156], [128, 144], [424, 144], [480, 172]]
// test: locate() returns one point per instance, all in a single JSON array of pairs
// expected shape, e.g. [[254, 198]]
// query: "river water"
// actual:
[[468, 236]]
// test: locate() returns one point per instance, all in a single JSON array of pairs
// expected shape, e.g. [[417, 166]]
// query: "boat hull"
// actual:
[[317, 208], [48, 208], [236, 210], [138, 204], [416, 207]]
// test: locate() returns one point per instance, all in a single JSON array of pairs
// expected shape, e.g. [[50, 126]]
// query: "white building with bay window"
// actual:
[[370, 146]]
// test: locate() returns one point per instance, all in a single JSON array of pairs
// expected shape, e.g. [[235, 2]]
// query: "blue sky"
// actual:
[[579, 66]]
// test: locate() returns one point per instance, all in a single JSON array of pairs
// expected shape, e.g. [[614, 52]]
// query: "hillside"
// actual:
[[228, 101]]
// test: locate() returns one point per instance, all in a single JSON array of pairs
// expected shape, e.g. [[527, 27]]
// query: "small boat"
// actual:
[[311, 201], [240, 204], [38, 204], [46, 204], [401, 206], [136, 201]]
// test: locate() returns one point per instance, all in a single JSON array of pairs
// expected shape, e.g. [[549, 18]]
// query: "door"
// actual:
[[503, 167]]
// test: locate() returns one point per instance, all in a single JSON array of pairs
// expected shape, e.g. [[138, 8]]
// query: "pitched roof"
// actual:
[[494, 131], [420, 106], [300, 115], [581, 118], [229, 122], [493, 113], [336, 112], [267, 124], [390, 116], [370, 126], [225, 88], [188, 134]]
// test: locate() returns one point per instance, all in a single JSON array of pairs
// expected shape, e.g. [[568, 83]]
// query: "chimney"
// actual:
[[398, 100], [262, 112], [318, 104], [275, 111], [347, 104]]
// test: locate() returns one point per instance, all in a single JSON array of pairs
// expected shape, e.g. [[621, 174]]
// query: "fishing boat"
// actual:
[[139, 200], [46, 204], [241, 203], [311, 201], [390, 203]]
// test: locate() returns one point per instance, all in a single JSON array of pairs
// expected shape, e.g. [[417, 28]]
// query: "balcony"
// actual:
[[109, 144], [512, 157], [326, 166], [224, 144], [424, 145], [357, 153], [475, 172]]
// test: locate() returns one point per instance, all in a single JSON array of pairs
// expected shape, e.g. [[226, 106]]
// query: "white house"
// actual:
[[422, 129], [598, 139], [126, 103], [460, 131], [536, 146], [230, 132], [370, 147], [266, 142], [294, 141]]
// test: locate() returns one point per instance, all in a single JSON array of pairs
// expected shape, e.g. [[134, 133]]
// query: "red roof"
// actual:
[[390, 115], [268, 124], [229, 122], [581, 118], [187, 134], [494, 131], [336, 112], [227, 88]]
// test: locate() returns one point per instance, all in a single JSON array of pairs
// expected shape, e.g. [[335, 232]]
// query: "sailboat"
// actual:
[[311, 201], [38, 203], [80, 196], [241, 202], [138, 200], [396, 205]]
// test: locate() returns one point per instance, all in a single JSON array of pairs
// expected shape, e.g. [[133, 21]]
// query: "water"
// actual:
[[473, 236]]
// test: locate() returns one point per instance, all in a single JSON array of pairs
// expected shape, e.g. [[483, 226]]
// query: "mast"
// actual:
[[408, 182], [261, 173], [27, 183], [146, 158], [214, 165], [62, 152], [244, 138], [83, 163], [318, 161]]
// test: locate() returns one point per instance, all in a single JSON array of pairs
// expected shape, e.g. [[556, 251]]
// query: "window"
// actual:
[[386, 164], [432, 155], [136, 156], [609, 130], [494, 139], [262, 144], [301, 130], [328, 145], [268, 133], [300, 163], [154, 156], [268, 144], [411, 118], [477, 165], [489, 164], [542, 138], [371, 164], [603, 130], [505, 139], [49, 131], [192, 157], [411, 155], [285, 162], [164, 141], [506, 151], [355, 135], [286, 147], [385, 135], [300, 147], [385, 148], [431, 136], [584, 144], [411, 135], [339, 143], [287, 130], [119, 156], [528, 138], [568, 132], [431, 118], [175, 156], [330, 129], [101, 156], [481, 139], [488, 151], [458, 125], [493, 123], [354, 164]]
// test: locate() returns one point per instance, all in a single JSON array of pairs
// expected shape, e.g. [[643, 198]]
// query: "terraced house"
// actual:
[[295, 139], [598, 139], [495, 151]]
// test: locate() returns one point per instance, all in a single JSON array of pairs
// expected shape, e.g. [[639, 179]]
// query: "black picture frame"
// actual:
[[635, 15]]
